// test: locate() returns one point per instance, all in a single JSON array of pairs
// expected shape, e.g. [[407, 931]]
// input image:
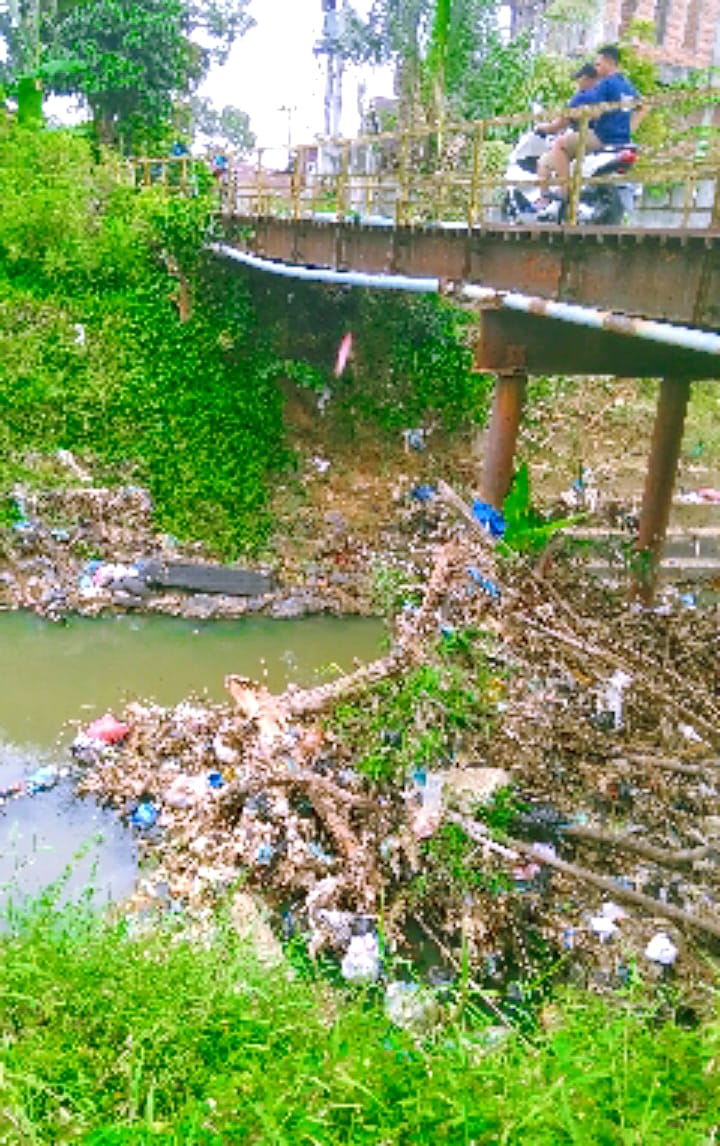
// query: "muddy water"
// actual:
[[53, 676]]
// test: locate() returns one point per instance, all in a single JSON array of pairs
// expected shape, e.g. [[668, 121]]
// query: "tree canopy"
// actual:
[[131, 60]]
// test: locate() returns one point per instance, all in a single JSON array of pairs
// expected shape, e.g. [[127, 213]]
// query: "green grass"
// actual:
[[109, 1039]]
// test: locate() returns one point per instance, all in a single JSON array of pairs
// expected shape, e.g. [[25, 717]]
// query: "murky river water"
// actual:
[[52, 676]]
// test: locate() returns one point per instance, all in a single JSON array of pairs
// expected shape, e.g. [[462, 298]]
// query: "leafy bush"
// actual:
[[191, 407]]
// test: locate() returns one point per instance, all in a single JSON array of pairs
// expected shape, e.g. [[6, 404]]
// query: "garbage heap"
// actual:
[[527, 781]]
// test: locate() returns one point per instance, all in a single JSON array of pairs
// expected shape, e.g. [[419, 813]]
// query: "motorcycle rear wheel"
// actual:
[[607, 204]]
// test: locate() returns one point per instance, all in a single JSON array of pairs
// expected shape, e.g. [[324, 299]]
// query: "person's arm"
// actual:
[[638, 115], [553, 126]]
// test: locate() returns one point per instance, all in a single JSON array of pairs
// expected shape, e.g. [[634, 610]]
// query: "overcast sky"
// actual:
[[273, 67]]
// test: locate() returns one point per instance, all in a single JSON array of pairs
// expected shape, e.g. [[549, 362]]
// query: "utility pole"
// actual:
[[332, 30]]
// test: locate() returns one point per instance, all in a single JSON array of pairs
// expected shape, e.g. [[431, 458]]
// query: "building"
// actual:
[[687, 32]]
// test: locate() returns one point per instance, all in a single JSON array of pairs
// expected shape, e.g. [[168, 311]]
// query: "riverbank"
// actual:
[[520, 708], [163, 1041], [355, 514]]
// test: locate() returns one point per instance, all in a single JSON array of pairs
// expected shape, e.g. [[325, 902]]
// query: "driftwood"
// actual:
[[254, 702], [610, 657], [662, 856], [637, 665], [701, 923]]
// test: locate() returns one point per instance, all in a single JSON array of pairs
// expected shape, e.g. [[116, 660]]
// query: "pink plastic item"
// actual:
[[107, 729]]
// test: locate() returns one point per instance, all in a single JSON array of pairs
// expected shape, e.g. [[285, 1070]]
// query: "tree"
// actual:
[[229, 127], [130, 59]]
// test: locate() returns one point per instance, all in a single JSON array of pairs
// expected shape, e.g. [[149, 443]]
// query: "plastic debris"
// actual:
[[361, 961], [662, 950], [343, 354], [428, 788], [568, 938], [490, 518], [264, 855], [414, 440], [411, 1007], [215, 779], [145, 815], [322, 465], [423, 492], [483, 583], [689, 733], [602, 927], [41, 780], [611, 701], [224, 753], [185, 791], [107, 729], [704, 496], [583, 493]]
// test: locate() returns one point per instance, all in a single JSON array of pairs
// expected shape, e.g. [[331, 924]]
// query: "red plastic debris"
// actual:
[[108, 729]]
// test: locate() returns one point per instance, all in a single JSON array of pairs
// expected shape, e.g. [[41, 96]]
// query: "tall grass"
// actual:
[[111, 1038]]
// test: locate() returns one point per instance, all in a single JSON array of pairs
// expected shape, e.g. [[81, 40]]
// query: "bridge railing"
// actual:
[[455, 173]]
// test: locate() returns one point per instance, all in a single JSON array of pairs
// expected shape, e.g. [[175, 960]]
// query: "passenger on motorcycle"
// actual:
[[585, 78], [611, 129]]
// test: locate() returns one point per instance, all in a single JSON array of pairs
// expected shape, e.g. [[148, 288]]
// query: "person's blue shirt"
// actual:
[[576, 101], [612, 127]]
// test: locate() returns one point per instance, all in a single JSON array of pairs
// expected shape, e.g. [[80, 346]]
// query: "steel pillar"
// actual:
[[659, 482], [502, 436]]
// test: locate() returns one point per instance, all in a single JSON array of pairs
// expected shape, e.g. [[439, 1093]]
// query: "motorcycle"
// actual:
[[601, 205]]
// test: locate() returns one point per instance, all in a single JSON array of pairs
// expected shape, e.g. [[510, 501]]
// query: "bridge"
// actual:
[[422, 209]]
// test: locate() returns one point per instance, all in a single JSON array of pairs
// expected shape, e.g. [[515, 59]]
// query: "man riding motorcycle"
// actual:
[[610, 129]]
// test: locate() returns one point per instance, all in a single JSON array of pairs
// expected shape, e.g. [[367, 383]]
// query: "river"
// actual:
[[55, 677]]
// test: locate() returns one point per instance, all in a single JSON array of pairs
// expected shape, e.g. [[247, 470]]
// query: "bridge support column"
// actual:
[[659, 483], [502, 436]]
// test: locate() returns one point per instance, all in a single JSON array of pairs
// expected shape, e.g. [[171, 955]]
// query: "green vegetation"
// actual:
[[96, 359], [526, 530], [111, 1039], [417, 721], [133, 62]]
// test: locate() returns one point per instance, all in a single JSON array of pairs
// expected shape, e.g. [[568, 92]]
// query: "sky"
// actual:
[[274, 76], [273, 68]]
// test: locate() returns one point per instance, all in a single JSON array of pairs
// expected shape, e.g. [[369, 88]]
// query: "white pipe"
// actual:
[[701, 341], [665, 333], [322, 275]]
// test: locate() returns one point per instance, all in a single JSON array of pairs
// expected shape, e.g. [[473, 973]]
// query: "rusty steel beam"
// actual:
[[672, 275], [502, 436], [550, 346], [659, 483]]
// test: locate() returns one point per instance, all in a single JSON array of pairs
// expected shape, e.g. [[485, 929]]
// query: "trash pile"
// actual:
[[89, 550], [573, 830]]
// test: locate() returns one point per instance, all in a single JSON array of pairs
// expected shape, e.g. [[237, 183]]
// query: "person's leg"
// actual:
[[565, 149], [544, 170]]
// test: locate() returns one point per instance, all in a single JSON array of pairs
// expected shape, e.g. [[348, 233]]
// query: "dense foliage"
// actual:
[[131, 60], [191, 408]]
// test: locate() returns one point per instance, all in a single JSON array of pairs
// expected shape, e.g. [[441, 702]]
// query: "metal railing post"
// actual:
[[343, 181], [296, 181], [259, 181], [477, 169], [403, 200]]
